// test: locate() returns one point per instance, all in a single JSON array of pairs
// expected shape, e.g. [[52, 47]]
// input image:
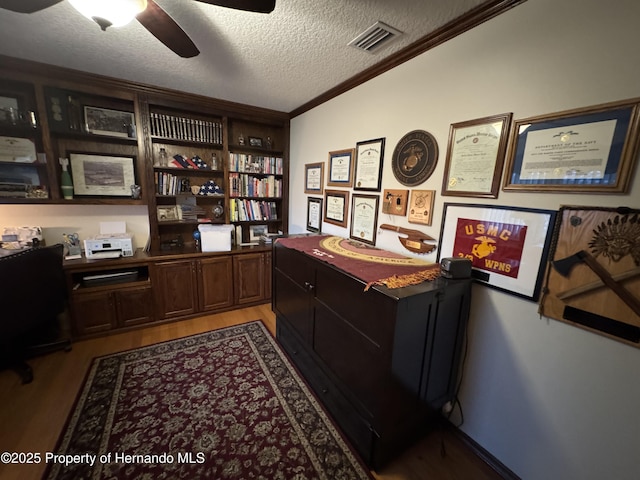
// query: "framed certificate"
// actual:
[[364, 218], [314, 214], [341, 168], [584, 150], [368, 170], [475, 157], [336, 207], [313, 177]]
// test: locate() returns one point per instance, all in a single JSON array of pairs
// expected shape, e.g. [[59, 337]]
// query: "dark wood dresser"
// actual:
[[382, 361]]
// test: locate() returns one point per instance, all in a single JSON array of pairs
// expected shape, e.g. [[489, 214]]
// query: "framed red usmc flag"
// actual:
[[507, 246]]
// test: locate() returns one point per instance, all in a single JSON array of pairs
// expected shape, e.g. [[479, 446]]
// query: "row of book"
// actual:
[[241, 162], [184, 128], [243, 210], [170, 184], [243, 185]]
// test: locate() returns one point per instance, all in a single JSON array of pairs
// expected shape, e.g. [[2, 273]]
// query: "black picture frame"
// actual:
[[368, 168], [314, 214], [255, 142], [508, 246]]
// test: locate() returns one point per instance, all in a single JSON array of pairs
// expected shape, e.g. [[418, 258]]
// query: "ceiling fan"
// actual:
[[147, 12]]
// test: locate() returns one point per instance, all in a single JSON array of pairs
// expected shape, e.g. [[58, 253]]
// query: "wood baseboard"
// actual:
[[483, 454]]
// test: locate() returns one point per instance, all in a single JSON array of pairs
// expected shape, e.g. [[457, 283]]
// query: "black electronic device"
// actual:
[[455, 267]]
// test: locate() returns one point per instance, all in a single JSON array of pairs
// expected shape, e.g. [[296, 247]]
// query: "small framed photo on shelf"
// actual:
[[102, 175], [364, 218], [255, 142], [104, 121], [257, 231], [336, 207], [577, 151], [368, 169], [169, 213], [314, 214], [313, 177], [341, 167], [475, 157]]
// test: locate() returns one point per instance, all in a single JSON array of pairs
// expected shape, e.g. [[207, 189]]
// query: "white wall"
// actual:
[[81, 219], [549, 400]]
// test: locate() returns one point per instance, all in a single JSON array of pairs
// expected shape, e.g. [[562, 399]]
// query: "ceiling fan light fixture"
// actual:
[[105, 13]]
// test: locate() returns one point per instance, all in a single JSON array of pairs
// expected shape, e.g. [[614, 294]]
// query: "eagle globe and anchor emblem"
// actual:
[[414, 158]]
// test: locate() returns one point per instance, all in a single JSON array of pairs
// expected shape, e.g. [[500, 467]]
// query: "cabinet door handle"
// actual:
[[309, 286]]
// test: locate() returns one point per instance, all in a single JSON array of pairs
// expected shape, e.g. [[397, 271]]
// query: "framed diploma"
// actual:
[[364, 218], [475, 157], [341, 168], [313, 177], [314, 214], [584, 150], [368, 169], [336, 207], [508, 246]]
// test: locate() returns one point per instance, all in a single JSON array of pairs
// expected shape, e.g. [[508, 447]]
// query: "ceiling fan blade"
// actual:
[[165, 29], [27, 6], [259, 6]]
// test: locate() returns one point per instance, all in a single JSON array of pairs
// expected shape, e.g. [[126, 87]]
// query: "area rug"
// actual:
[[226, 404]]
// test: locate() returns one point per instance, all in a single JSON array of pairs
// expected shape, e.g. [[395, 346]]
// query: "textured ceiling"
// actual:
[[278, 61]]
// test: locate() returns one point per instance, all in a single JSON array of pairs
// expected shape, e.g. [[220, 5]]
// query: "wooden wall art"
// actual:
[[593, 278]]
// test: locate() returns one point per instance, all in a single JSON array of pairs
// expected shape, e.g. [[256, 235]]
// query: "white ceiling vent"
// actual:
[[374, 37]]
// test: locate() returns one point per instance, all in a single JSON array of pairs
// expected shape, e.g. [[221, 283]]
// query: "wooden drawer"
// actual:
[[352, 424]]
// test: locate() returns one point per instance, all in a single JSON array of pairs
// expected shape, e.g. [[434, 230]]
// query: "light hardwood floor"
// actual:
[[33, 415]]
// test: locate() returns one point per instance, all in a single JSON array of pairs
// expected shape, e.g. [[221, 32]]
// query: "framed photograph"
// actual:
[[114, 123], [336, 207], [421, 206], [368, 168], [313, 177], [314, 214], [507, 246], [256, 231], [475, 157], [169, 213], [9, 110], [102, 175], [364, 218], [255, 142], [341, 166], [576, 151]]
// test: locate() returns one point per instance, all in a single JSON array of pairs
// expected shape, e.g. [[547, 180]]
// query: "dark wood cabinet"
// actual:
[[215, 276], [383, 362], [175, 288], [252, 275]]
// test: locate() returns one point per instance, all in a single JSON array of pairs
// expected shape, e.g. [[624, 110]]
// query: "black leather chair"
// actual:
[[32, 295]]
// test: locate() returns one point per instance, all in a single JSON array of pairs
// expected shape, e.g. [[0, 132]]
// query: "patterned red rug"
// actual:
[[226, 404]]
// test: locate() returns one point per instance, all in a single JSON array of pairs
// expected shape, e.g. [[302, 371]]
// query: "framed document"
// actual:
[[364, 218], [421, 206], [368, 169], [336, 207], [314, 214], [102, 175], [313, 177], [507, 246], [104, 121], [341, 168], [475, 157], [584, 150]]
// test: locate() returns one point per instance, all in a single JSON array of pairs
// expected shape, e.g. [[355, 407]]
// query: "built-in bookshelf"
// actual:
[[176, 150]]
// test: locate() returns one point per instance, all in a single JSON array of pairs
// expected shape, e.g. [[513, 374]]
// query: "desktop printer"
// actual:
[[112, 245]]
